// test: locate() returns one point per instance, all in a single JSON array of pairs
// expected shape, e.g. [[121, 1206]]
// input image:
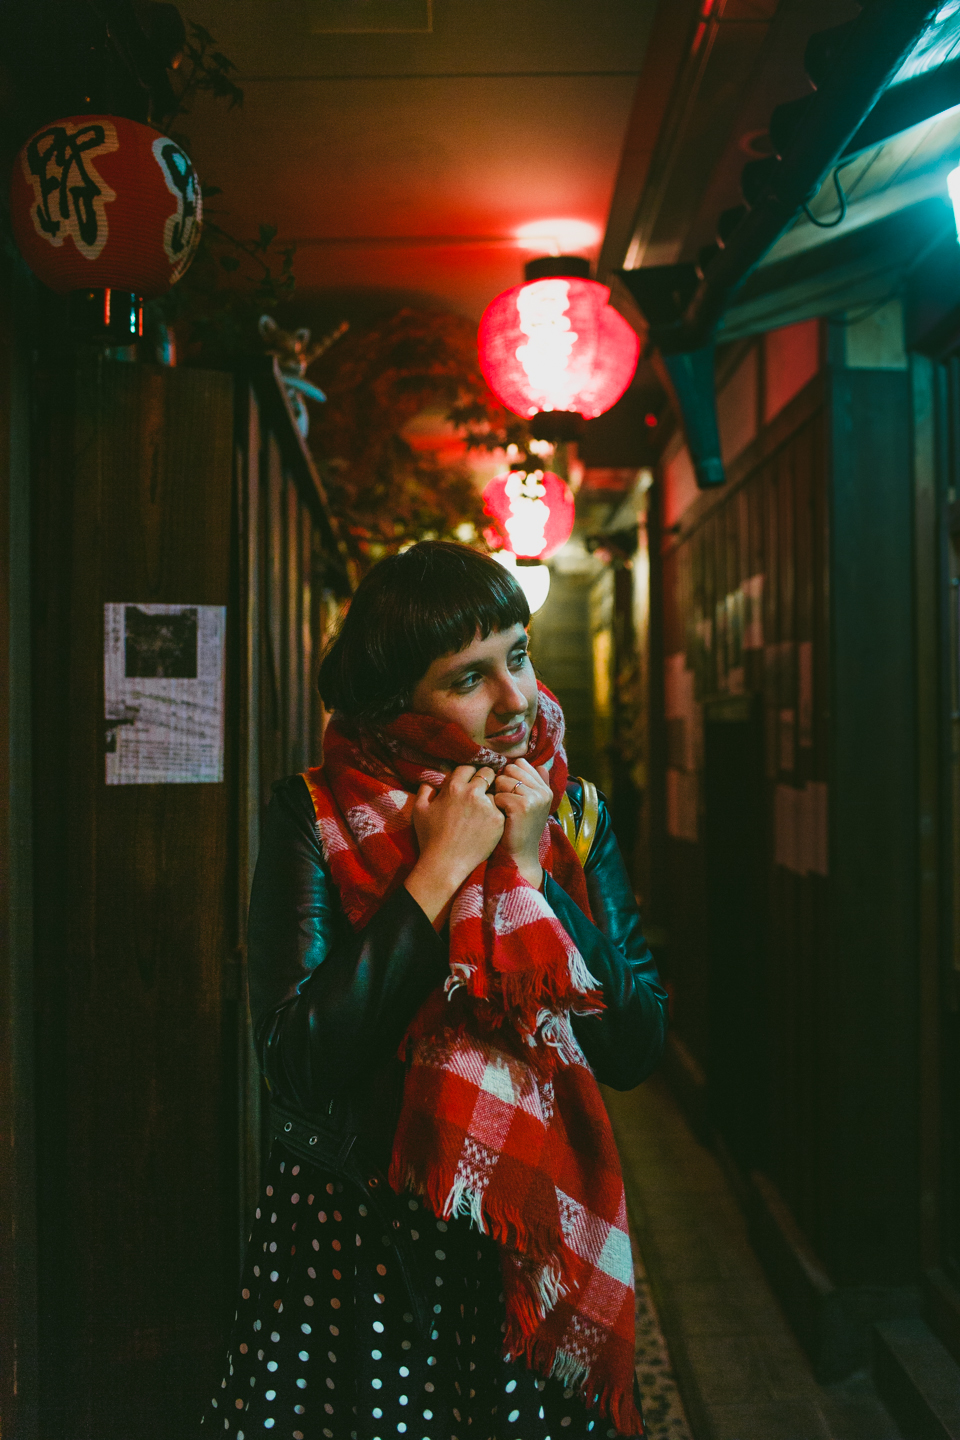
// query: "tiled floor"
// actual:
[[740, 1372], [663, 1412]]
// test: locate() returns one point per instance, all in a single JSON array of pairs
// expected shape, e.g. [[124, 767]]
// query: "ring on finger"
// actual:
[[518, 786]]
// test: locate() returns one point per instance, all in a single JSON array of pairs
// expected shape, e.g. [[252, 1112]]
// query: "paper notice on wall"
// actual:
[[163, 691], [682, 805], [800, 833], [805, 694], [753, 612], [680, 705]]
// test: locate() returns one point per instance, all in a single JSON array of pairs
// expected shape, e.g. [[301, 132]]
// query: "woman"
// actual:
[[435, 983]]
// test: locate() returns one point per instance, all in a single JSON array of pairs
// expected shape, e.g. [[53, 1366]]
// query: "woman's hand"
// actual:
[[525, 797], [457, 826]]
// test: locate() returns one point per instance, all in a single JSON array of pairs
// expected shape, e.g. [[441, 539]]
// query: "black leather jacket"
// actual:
[[331, 1005]]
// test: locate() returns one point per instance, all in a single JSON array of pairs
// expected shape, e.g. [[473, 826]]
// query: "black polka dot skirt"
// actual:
[[324, 1343]]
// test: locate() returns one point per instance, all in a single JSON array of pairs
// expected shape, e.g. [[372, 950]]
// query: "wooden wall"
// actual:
[[745, 628], [789, 721], [18, 1354], [136, 915], [178, 487]]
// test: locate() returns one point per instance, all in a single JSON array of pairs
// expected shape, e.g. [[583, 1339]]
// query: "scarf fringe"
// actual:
[[580, 977], [463, 1201], [507, 1230], [549, 1287], [619, 1405], [523, 993], [546, 1357]]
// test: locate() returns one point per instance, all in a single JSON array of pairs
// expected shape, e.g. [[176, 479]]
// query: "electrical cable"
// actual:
[[841, 196]]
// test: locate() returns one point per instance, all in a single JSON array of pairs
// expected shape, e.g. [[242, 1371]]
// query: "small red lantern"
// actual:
[[99, 202], [554, 344], [533, 511]]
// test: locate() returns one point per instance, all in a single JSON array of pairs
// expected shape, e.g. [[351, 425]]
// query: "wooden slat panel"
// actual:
[[872, 1227], [305, 567], [18, 1318], [292, 628], [773, 524], [138, 1187], [272, 692], [250, 515]]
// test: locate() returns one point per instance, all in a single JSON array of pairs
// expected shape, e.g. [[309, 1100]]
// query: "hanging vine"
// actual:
[[377, 381]]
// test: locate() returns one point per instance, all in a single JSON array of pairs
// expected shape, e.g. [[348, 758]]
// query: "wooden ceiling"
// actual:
[[404, 159]]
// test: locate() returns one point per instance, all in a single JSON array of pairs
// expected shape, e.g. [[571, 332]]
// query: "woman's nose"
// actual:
[[510, 698]]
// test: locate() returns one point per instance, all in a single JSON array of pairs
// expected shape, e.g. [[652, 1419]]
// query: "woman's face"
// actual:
[[488, 689]]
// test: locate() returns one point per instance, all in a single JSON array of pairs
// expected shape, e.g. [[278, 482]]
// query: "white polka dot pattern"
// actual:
[[346, 1360]]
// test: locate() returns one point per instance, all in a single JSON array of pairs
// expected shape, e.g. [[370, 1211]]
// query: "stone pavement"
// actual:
[[740, 1372]]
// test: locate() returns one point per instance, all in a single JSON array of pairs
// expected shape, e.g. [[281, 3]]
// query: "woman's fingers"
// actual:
[[525, 771], [465, 775], [424, 795], [521, 774], [510, 803]]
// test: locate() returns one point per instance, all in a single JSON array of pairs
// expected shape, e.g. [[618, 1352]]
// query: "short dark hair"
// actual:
[[410, 609]]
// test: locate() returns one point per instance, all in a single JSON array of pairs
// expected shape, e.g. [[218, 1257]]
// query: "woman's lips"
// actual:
[[518, 733]]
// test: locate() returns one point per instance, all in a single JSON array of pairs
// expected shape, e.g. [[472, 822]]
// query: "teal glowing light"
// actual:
[[953, 185]]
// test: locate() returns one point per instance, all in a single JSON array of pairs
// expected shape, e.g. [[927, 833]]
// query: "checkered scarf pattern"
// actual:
[[502, 1119]]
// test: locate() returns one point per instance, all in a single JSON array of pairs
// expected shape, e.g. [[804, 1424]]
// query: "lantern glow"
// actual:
[[533, 511], [556, 345]]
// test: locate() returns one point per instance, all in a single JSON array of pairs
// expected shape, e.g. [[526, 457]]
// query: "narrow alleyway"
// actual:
[[739, 1369], [656, 304]]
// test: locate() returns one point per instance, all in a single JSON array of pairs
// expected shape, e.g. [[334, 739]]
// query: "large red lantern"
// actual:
[[99, 202], [533, 511], [554, 344]]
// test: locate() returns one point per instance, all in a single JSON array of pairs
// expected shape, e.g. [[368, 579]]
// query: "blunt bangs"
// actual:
[[433, 600]]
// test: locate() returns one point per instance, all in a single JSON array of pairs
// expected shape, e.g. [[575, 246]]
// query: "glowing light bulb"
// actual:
[[534, 580], [542, 311], [529, 514]]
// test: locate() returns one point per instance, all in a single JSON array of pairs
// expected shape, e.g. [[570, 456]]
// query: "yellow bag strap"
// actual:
[[580, 837]]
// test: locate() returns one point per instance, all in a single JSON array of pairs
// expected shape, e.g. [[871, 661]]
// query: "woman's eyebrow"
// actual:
[[481, 662], [463, 669]]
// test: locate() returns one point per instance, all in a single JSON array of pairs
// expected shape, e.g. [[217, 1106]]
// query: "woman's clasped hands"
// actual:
[[460, 823]]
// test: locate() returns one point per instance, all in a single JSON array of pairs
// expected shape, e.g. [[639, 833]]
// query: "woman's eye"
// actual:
[[466, 682], [520, 658]]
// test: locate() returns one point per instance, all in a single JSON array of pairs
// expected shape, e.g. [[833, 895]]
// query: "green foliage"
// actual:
[[207, 71], [216, 323], [378, 380]]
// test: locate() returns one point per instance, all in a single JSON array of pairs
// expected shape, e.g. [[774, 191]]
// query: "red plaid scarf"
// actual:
[[502, 1118]]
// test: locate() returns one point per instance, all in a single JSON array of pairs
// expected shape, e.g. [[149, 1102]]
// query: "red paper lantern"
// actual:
[[556, 345], [99, 202], [533, 511]]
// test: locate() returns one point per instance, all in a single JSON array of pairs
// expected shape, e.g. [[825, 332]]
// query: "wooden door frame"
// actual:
[[18, 1316]]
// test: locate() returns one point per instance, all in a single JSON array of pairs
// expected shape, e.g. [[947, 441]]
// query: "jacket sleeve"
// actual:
[[624, 1043], [329, 1004]]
